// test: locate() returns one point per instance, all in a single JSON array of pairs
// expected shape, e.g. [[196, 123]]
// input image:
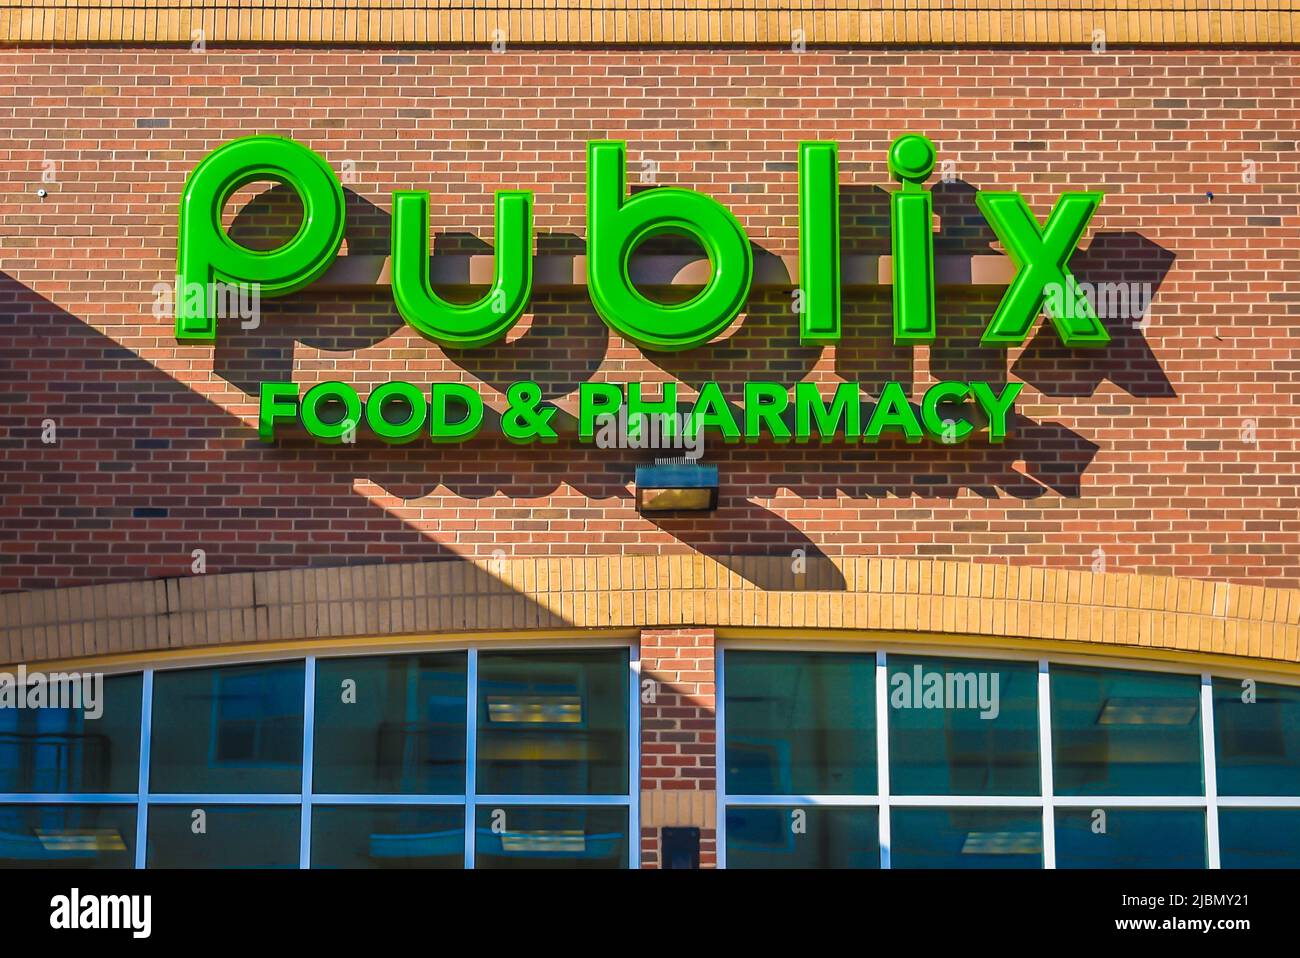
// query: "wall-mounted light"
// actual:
[[676, 487]]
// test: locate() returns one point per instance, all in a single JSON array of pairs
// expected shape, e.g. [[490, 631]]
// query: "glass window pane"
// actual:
[[553, 723], [66, 750], [1130, 838], [1259, 837], [966, 838], [232, 836], [1125, 733], [234, 729], [1257, 738], [67, 836], [387, 836], [390, 724], [962, 727], [800, 723], [807, 836], [516, 836]]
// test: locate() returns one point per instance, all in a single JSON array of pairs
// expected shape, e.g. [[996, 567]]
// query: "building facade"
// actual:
[[1073, 645]]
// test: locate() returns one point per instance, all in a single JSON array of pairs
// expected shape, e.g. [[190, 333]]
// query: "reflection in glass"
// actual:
[[807, 836], [67, 836], [1257, 738], [553, 723], [966, 838], [962, 727], [387, 836], [800, 723], [390, 724], [57, 750], [1259, 837], [235, 729], [1125, 733], [232, 836], [551, 837], [1107, 837]]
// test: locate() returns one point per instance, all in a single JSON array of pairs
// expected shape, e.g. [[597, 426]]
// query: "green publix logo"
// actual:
[[208, 259]]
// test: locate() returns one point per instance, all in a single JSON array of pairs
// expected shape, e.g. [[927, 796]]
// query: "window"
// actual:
[[1259, 837], [233, 729], [388, 836], [1125, 733], [810, 836], [867, 760], [531, 836], [1120, 837], [391, 725], [495, 759], [67, 750], [962, 727], [967, 838], [1257, 738], [800, 723], [67, 836], [553, 723]]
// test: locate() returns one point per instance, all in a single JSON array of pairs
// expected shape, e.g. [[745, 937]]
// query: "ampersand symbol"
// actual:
[[523, 421]]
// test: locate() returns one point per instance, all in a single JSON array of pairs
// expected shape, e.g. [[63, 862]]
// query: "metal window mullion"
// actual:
[[882, 756], [1210, 764], [142, 783], [634, 756], [1046, 782], [471, 750], [391, 798], [720, 752], [308, 753], [1257, 801]]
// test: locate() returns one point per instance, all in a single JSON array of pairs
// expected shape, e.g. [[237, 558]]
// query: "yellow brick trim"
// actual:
[[663, 808], [610, 22], [215, 614]]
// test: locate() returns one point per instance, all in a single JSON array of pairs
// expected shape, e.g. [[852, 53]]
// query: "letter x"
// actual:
[[1041, 256]]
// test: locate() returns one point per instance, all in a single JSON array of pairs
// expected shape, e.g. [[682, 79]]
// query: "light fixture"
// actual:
[[1146, 711], [534, 709], [1001, 843], [676, 486], [545, 840]]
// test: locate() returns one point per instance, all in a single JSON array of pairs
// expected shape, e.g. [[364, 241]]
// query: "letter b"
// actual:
[[205, 253], [616, 227]]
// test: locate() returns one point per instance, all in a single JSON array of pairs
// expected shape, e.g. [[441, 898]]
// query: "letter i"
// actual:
[[819, 242], [911, 213]]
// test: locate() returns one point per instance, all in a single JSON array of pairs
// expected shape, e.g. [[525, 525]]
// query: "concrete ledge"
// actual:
[[1152, 615]]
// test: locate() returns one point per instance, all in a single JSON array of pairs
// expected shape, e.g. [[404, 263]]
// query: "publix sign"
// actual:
[[208, 259]]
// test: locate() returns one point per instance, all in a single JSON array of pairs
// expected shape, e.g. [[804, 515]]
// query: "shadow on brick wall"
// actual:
[[146, 470]]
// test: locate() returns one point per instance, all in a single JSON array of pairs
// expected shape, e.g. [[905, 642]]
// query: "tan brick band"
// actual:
[[615, 22], [1157, 616], [665, 809]]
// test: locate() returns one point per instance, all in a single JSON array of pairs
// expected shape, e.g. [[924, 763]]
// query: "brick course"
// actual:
[[1172, 452], [678, 736]]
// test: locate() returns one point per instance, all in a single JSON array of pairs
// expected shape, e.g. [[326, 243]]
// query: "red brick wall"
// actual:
[[678, 729], [1136, 451]]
